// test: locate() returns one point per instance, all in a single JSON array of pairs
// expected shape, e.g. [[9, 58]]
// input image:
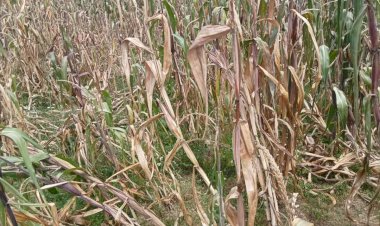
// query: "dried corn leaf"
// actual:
[[186, 214], [201, 213], [173, 126], [141, 157], [300, 222], [167, 44], [23, 217], [310, 30], [230, 210], [196, 55], [124, 56], [299, 87], [358, 182], [151, 76], [247, 153]]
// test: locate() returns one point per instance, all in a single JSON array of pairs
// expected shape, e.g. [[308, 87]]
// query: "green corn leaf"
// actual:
[[342, 107], [181, 41], [355, 41], [172, 17], [325, 61]]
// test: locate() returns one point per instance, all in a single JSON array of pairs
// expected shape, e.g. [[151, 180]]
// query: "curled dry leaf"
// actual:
[[230, 210], [152, 74], [220, 60], [173, 126], [358, 182], [248, 71], [196, 55], [141, 157], [169, 157], [186, 214], [124, 56], [283, 94], [167, 43], [201, 213], [247, 153], [375, 167], [24, 217], [300, 91], [138, 43], [310, 30]]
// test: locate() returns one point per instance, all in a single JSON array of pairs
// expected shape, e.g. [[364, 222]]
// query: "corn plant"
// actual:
[[182, 112]]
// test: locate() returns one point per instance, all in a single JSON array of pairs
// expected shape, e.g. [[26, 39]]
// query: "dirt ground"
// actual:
[[325, 214], [316, 208]]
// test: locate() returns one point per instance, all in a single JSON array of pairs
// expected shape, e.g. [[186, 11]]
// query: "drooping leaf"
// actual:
[[196, 55], [17, 137], [167, 62], [172, 17]]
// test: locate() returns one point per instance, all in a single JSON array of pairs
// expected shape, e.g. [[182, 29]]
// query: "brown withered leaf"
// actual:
[[358, 182], [182, 205], [283, 94], [169, 157], [196, 55], [150, 81], [173, 126], [299, 87], [310, 30], [124, 56], [201, 213], [138, 43], [230, 210], [23, 217], [167, 43], [141, 157], [247, 153], [300, 222]]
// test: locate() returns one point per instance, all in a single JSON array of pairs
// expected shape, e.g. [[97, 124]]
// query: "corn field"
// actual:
[[179, 112]]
